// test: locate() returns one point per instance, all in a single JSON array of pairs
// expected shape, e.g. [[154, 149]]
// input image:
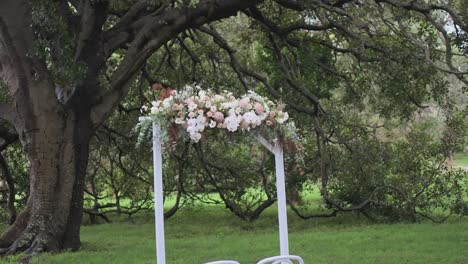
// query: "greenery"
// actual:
[[199, 234]]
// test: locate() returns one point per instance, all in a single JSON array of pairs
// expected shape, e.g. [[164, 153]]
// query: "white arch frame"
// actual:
[[276, 149]]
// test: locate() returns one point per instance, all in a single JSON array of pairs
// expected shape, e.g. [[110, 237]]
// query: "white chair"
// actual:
[[223, 262], [286, 259]]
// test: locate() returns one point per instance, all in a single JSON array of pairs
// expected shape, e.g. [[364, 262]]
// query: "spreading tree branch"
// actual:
[[153, 35]]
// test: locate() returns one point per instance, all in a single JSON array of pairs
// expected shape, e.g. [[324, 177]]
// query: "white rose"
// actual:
[[195, 137], [179, 121], [154, 110], [166, 104]]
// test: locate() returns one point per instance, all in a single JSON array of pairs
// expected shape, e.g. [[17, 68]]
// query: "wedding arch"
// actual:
[[196, 111]]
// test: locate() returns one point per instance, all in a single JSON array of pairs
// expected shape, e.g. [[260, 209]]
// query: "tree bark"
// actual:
[[58, 155]]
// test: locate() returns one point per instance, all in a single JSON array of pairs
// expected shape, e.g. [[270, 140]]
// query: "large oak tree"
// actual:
[[55, 57]]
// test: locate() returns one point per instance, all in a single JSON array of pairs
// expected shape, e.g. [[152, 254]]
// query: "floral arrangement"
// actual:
[[197, 110]]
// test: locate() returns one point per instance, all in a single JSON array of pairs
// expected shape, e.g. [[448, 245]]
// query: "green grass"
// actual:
[[200, 234], [461, 159]]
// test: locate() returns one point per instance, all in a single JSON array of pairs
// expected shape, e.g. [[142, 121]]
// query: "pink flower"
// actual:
[[272, 114], [209, 114], [176, 107], [165, 93], [244, 103], [219, 117], [188, 101], [259, 108]]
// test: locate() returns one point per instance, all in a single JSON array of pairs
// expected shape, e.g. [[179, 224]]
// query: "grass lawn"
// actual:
[[200, 234], [461, 159]]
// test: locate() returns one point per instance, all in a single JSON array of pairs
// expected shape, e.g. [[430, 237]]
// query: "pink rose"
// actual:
[[219, 117], [165, 93], [188, 101], [259, 108], [244, 103], [175, 107]]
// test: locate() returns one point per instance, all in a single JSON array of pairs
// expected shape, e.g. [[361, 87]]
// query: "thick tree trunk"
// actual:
[[58, 154]]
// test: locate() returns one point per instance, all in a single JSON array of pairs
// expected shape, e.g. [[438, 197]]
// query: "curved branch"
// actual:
[[154, 34], [297, 5], [426, 9]]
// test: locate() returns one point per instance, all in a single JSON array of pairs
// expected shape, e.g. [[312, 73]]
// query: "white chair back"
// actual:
[[223, 262], [287, 259]]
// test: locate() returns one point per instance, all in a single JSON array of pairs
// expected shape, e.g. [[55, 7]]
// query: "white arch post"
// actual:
[[276, 149], [158, 195]]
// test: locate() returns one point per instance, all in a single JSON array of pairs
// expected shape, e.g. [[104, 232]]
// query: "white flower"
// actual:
[[154, 110], [231, 123], [213, 109], [166, 104], [179, 121], [191, 114], [212, 124], [252, 118], [282, 117], [202, 94], [192, 106], [195, 126], [218, 98], [201, 120], [195, 137]]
